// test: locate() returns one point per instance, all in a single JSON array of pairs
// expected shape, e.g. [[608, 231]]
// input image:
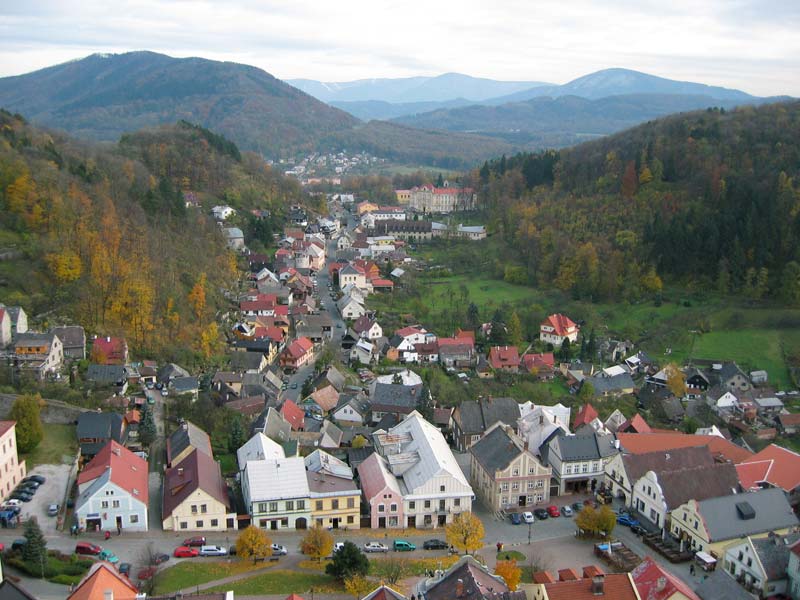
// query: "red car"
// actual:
[[553, 511], [87, 548], [146, 573], [199, 540], [185, 552]]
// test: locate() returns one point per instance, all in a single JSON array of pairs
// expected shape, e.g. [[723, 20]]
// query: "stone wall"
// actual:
[[54, 411]]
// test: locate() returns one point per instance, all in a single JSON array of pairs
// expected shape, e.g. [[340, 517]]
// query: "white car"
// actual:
[[278, 550], [527, 517], [375, 547], [338, 546], [213, 551]]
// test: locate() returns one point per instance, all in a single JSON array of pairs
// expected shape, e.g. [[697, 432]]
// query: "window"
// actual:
[[350, 519], [392, 521], [531, 484], [504, 487], [194, 509], [457, 502], [285, 522], [115, 504], [335, 504], [318, 504], [568, 470], [104, 504], [515, 486], [134, 518], [262, 507], [539, 483], [585, 468], [290, 505], [203, 508], [441, 488], [184, 525], [214, 522], [273, 507], [199, 524], [301, 505], [531, 470], [381, 508], [427, 503], [515, 472], [412, 505], [351, 503]]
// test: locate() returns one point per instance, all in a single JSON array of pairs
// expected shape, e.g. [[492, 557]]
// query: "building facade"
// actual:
[[12, 471]]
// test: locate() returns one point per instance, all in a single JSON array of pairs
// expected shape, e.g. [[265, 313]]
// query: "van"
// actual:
[[403, 546]]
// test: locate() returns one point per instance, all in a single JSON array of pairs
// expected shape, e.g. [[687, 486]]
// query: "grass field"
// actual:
[[58, 446], [188, 573], [282, 582]]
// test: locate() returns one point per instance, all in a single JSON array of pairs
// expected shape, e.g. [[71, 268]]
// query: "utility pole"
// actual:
[[530, 527]]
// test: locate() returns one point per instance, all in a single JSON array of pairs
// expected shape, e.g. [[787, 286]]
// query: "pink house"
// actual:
[[11, 469], [382, 493]]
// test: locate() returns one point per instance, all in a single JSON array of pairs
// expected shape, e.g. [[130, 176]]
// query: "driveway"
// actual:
[[53, 491]]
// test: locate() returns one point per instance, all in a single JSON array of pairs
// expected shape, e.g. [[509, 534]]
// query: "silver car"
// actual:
[[213, 551], [375, 547]]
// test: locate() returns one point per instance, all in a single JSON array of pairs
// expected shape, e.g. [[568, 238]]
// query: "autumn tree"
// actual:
[[510, 572], [606, 519], [317, 543], [465, 532], [197, 297], [395, 568], [253, 543], [26, 412], [629, 181], [676, 380], [514, 330], [358, 586]]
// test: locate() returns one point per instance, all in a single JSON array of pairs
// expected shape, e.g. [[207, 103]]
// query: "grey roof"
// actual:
[[394, 395], [358, 401], [723, 515], [72, 336], [495, 450], [188, 434], [103, 426], [698, 483], [107, 374], [730, 369], [773, 552], [170, 371], [616, 383], [183, 385], [479, 415], [721, 586], [583, 447], [636, 465], [246, 361]]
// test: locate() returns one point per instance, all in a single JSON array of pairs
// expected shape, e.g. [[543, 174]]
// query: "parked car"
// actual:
[[16, 503], [527, 516], [278, 550], [124, 569], [435, 545], [108, 556], [403, 546], [146, 573], [627, 520], [213, 551], [566, 511], [186, 552], [375, 547], [541, 513], [199, 540], [52, 510], [40, 479], [20, 495], [515, 520], [87, 548], [160, 558], [18, 544], [577, 507], [553, 511], [294, 385]]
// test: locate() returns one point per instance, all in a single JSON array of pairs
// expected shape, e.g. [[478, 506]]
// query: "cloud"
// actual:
[[748, 44]]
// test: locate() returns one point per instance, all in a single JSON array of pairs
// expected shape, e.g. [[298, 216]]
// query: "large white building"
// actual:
[[276, 493], [430, 199]]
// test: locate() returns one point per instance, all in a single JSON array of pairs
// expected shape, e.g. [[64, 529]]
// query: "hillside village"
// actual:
[[339, 415]]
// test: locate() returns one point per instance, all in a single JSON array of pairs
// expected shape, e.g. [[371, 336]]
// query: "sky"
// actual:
[[752, 45]]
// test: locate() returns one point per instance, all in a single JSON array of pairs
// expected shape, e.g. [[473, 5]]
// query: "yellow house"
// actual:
[[364, 207], [335, 498], [711, 525], [196, 496]]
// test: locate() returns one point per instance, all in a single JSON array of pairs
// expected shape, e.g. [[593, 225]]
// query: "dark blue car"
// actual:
[[515, 520], [627, 520]]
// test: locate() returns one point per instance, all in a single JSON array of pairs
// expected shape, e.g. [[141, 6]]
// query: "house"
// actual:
[[470, 580], [185, 385], [504, 358], [604, 386], [350, 308], [41, 354], [719, 585], [584, 416], [638, 443], [394, 399], [12, 471], [272, 424], [636, 424], [540, 364], [593, 583], [435, 489], [457, 352], [793, 572], [330, 376], [195, 496], [657, 494], [109, 350], [349, 274], [169, 372], [73, 340], [578, 461], [322, 401], [300, 352], [335, 497], [653, 582], [539, 422], [430, 199], [330, 436], [187, 438], [258, 447], [363, 352], [368, 327], [96, 429], [769, 406], [789, 423], [624, 470], [711, 525], [381, 492], [113, 491], [223, 212], [504, 473], [104, 582], [5, 328], [775, 466], [471, 419], [760, 564], [234, 238], [271, 506], [317, 328], [293, 414], [18, 318], [556, 328], [109, 375], [352, 409]]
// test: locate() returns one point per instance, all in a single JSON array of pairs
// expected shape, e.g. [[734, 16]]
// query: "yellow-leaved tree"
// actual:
[[465, 532], [510, 572], [253, 543], [358, 586], [317, 543]]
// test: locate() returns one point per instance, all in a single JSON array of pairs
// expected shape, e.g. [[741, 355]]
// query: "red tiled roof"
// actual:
[[543, 577], [560, 323], [615, 585], [638, 443], [326, 398], [457, 341], [112, 348], [5, 426], [294, 415], [128, 471], [545, 359], [585, 415], [468, 334], [782, 467], [196, 471], [407, 331], [636, 424], [101, 579], [503, 356], [792, 419], [382, 283], [655, 583], [133, 416], [567, 575]]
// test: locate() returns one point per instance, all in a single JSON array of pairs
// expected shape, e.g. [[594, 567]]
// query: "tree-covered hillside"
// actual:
[[101, 235], [708, 198]]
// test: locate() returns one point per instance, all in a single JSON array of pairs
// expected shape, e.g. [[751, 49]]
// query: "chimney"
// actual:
[[180, 471], [525, 446], [597, 585], [459, 588]]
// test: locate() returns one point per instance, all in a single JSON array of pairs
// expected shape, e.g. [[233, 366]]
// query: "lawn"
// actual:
[[58, 446], [380, 567], [227, 463], [194, 572], [511, 555], [284, 583]]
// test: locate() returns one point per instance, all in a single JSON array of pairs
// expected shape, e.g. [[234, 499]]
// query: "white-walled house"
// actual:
[[276, 493], [113, 491]]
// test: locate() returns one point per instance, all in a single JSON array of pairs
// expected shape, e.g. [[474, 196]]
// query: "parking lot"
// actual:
[[51, 492]]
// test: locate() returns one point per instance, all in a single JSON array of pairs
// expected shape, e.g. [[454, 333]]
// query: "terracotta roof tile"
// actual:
[[782, 467], [638, 443]]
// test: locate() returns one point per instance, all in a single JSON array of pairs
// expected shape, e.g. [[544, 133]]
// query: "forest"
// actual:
[[101, 235], [707, 198]]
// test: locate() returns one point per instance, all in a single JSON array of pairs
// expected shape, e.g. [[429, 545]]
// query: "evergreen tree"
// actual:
[[347, 562], [497, 337], [514, 330], [440, 181], [25, 411], [473, 316], [425, 404], [34, 552], [591, 346], [236, 437], [566, 350], [147, 426]]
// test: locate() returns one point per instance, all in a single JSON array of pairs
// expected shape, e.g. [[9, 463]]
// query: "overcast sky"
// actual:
[[753, 45]]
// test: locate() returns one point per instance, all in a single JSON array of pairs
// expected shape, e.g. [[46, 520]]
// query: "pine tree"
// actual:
[[236, 437], [147, 426], [34, 552]]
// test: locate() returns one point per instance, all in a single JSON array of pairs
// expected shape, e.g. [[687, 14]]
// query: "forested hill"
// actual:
[[103, 236], [104, 96], [709, 197]]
